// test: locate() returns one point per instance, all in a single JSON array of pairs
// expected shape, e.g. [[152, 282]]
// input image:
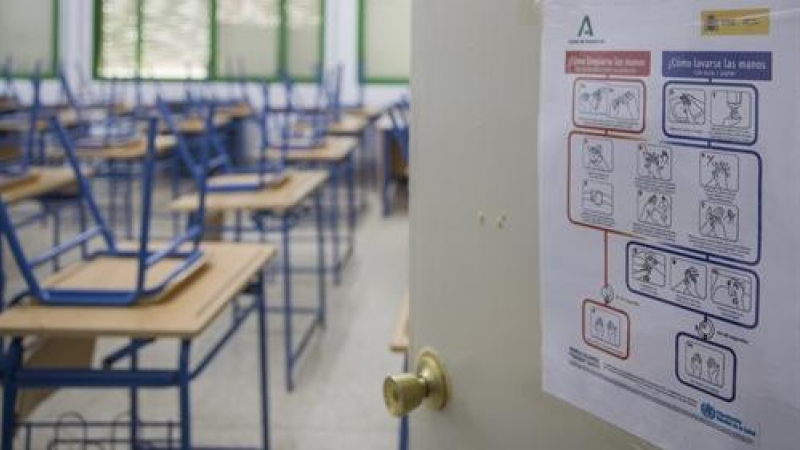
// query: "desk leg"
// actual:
[[128, 200], [175, 175], [351, 202], [55, 212], [10, 390], [2, 306], [321, 289], [184, 378], [334, 218], [364, 183], [387, 175], [403, 437], [134, 400], [263, 357], [238, 227], [112, 196], [287, 300]]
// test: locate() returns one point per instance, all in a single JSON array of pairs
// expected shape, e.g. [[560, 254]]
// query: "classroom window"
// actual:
[[304, 37], [208, 39], [240, 24], [28, 31], [384, 41], [175, 39]]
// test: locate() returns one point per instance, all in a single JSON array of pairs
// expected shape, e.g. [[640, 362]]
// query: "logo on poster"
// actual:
[[730, 421], [586, 33], [586, 28], [708, 410]]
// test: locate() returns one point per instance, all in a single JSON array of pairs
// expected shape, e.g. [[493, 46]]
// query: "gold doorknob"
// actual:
[[404, 393]]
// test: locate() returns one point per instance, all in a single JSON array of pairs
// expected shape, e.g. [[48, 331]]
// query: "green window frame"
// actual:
[[215, 68], [50, 69], [363, 51]]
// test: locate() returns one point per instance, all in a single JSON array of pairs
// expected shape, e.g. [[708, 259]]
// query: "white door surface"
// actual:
[[474, 268]]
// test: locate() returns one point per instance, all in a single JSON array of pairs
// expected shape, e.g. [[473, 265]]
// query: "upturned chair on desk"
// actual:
[[173, 261]]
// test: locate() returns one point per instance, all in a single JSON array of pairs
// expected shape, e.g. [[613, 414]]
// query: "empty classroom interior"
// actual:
[[204, 222]]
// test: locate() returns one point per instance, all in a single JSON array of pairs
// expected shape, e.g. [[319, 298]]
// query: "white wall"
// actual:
[[75, 46]]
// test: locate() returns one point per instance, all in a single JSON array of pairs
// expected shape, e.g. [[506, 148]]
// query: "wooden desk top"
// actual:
[[185, 313], [299, 186], [8, 104], [400, 341], [67, 118], [46, 181], [350, 125], [136, 149], [370, 112], [335, 149], [236, 111], [196, 125]]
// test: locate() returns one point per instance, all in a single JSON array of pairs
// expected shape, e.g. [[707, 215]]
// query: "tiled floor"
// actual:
[[337, 404]]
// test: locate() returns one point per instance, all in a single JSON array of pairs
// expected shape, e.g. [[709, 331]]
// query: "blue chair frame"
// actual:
[[291, 116], [268, 169], [9, 89], [146, 259]]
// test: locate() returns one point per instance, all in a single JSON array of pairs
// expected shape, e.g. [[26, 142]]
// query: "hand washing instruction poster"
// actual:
[[670, 209]]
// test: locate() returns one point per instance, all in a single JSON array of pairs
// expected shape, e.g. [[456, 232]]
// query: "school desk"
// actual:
[[336, 156], [286, 204], [356, 126], [184, 314]]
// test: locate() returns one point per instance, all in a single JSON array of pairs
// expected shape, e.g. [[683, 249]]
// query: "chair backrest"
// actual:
[[267, 163], [24, 141], [85, 199], [331, 84], [218, 160], [68, 92], [295, 116]]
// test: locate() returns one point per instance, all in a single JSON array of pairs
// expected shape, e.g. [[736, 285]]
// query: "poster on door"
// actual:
[[669, 165]]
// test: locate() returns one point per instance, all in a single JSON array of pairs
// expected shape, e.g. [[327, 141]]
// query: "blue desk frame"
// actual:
[[135, 378], [336, 171], [283, 223]]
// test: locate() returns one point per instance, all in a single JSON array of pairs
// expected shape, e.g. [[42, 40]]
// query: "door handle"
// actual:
[[429, 383]]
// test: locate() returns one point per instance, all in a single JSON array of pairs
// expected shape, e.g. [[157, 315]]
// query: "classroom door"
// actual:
[[474, 232]]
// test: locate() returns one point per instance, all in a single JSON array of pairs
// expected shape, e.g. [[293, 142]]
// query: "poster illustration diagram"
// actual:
[[655, 158]]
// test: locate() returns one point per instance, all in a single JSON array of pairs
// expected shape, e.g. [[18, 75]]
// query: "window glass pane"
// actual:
[[118, 34], [304, 20], [386, 48], [26, 34], [175, 39], [248, 38]]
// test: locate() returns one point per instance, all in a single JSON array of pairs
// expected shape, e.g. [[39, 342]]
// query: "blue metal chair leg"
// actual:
[[10, 390], [263, 357], [321, 288], [287, 301], [184, 379]]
